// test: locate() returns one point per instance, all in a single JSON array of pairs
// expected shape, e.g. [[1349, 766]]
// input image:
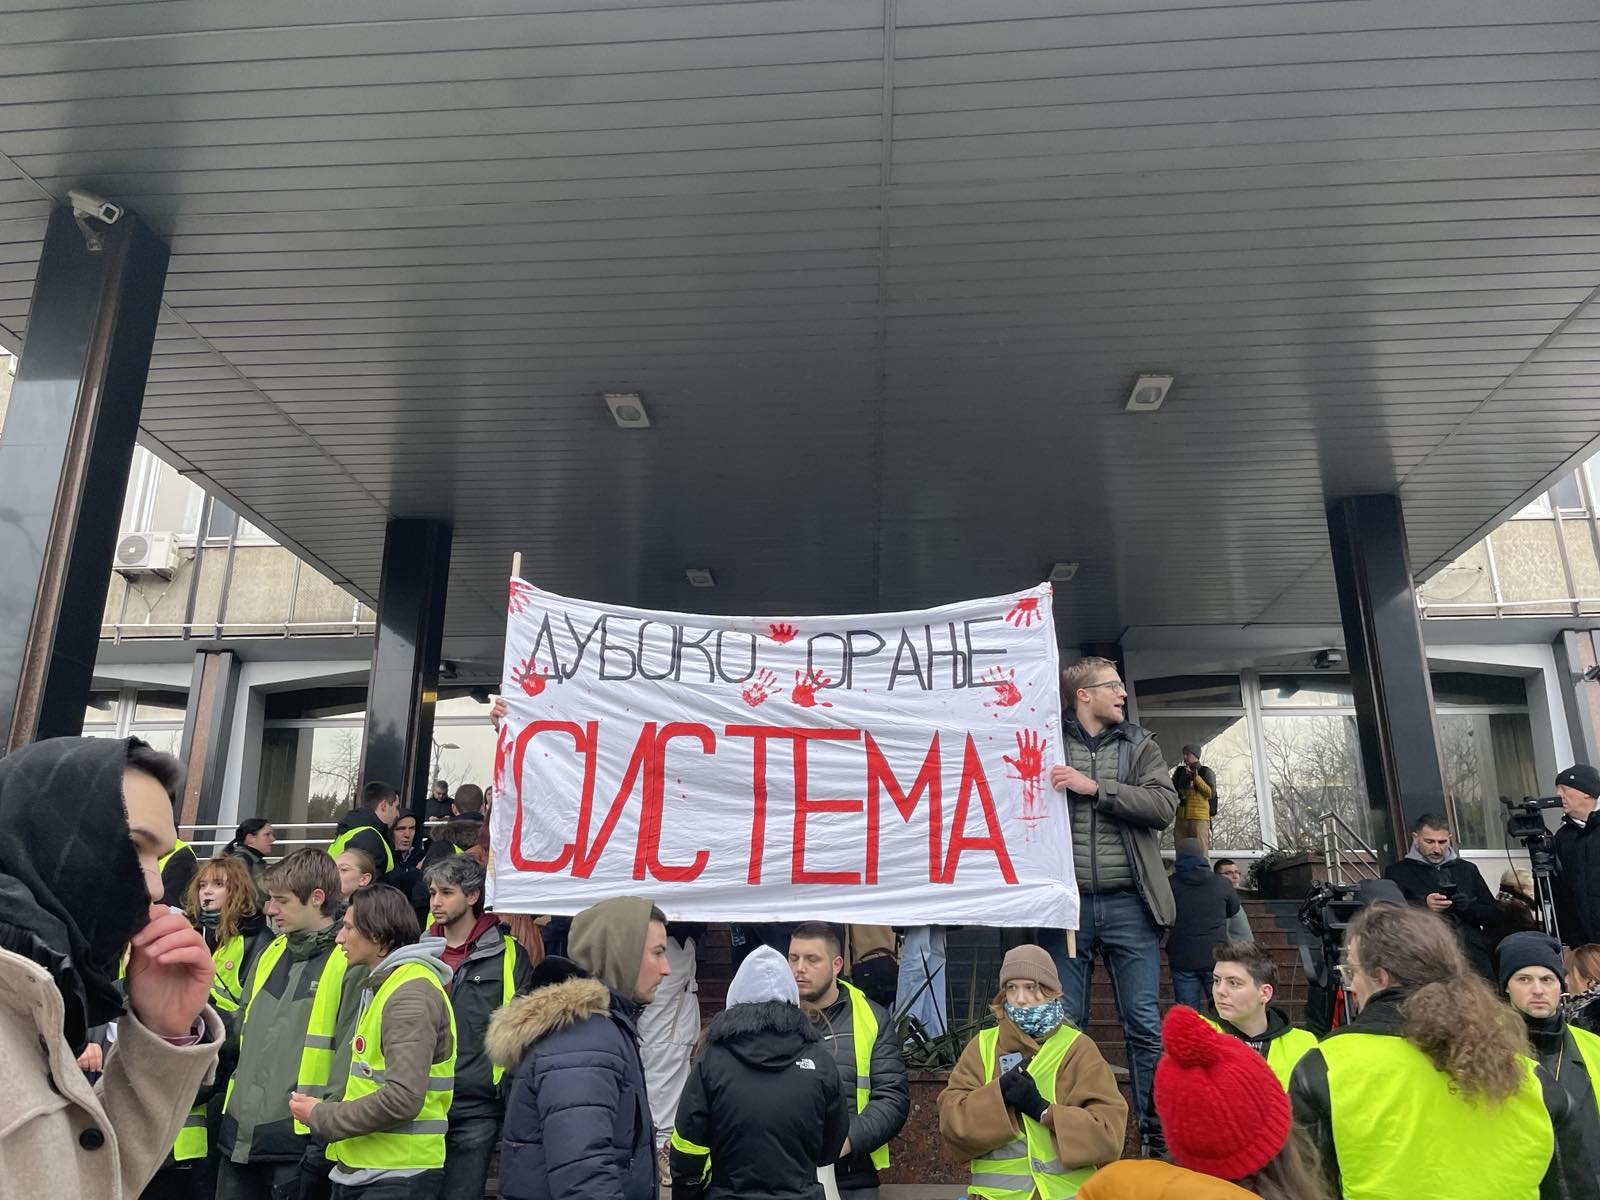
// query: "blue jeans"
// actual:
[[1120, 927], [1192, 988]]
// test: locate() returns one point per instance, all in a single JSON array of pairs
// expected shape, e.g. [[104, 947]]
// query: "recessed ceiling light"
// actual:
[[700, 577], [1063, 572], [627, 409], [1149, 391]]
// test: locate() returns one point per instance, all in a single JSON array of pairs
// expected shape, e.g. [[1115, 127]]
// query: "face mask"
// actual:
[[1039, 1020], [210, 920]]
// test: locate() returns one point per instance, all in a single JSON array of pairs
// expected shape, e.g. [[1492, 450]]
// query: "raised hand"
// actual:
[[169, 973], [1025, 612], [757, 691], [782, 633], [1004, 685], [805, 689], [529, 676]]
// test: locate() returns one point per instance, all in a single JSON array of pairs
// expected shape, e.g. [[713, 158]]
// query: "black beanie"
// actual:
[[1581, 776], [1531, 949]]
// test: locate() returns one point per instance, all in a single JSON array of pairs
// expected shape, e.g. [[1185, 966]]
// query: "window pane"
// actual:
[[1461, 687], [308, 774], [1306, 691], [462, 705], [102, 709], [1224, 747], [168, 741], [464, 753], [1191, 691], [161, 706], [1485, 757], [176, 507], [1313, 767]]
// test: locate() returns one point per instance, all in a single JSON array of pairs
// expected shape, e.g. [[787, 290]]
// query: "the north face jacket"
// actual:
[[764, 1099]]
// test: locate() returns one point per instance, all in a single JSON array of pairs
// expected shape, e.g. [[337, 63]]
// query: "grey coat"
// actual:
[[1118, 831]]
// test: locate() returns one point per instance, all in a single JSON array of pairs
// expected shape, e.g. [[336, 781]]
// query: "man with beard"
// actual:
[[1433, 876], [489, 969], [861, 1038]]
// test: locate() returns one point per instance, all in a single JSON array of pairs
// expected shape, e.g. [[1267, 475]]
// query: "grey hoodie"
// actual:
[[418, 1031]]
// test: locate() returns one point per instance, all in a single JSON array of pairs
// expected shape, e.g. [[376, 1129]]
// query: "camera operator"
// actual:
[[1433, 876], [1577, 847]]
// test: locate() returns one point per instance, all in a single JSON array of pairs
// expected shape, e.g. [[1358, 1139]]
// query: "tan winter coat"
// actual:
[[1091, 1117], [61, 1137]]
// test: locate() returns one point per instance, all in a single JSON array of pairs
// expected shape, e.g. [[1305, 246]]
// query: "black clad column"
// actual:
[[64, 458], [405, 657], [1388, 667]]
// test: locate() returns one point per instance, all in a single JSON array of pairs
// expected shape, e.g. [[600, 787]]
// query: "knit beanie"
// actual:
[[1030, 962], [1530, 949], [1223, 1110], [1581, 776]]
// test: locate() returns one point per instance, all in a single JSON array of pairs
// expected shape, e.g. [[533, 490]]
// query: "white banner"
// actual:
[[890, 769]]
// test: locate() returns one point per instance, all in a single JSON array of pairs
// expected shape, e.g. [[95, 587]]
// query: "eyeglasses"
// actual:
[[1110, 683], [1347, 972]]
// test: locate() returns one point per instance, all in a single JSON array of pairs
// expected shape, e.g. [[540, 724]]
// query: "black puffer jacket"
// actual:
[[1558, 1053], [889, 1103], [764, 1101], [577, 1120]]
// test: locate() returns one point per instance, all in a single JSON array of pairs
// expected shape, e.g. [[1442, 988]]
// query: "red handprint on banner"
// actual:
[[521, 593], [757, 691], [1029, 767], [805, 689], [1004, 685], [782, 633], [1025, 612], [529, 676]]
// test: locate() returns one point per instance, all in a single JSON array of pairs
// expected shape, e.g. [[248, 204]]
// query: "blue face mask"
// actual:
[[1040, 1020]]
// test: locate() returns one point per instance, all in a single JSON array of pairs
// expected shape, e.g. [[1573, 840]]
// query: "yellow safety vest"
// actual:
[[177, 845], [1401, 1131], [864, 1031], [342, 842], [1589, 1047], [1018, 1169], [1282, 1051], [192, 1142], [227, 989], [508, 988], [319, 1048], [418, 1144]]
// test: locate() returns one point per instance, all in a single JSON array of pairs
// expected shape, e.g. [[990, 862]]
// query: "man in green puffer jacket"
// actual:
[[1120, 797]]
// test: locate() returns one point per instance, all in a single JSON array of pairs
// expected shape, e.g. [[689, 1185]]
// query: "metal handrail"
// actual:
[[313, 834], [1334, 854]]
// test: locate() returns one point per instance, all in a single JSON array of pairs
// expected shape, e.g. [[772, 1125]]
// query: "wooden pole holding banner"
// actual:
[[516, 564], [1072, 943]]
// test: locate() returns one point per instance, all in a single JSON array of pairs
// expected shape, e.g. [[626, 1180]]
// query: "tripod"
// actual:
[[1541, 853]]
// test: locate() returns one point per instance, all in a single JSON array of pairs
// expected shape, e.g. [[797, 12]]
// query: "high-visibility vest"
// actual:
[[1589, 1047], [1282, 1051], [177, 845], [227, 988], [864, 1031], [1401, 1131], [319, 1048], [192, 1143], [508, 988], [1018, 1169], [418, 1144], [342, 843]]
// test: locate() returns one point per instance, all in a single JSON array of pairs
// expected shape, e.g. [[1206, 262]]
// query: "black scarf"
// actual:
[[71, 890]]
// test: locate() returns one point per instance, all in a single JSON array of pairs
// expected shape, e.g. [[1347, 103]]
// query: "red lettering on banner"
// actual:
[[646, 855], [973, 779], [583, 741], [589, 855], [803, 804], [758, 791], [880, 775]]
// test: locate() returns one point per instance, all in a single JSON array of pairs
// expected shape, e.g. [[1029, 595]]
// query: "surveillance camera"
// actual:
[[87, 204], [1326, 659]]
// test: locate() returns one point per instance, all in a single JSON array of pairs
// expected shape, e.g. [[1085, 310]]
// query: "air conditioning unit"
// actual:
[[147, 554]]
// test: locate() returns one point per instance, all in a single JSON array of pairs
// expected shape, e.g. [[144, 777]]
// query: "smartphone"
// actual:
[[1007, 1061]]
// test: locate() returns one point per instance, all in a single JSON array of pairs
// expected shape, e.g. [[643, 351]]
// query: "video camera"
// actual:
[[1325, 914], [1525, 820]]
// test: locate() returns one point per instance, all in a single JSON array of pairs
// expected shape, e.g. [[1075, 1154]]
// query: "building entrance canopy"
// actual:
[[882, 274]]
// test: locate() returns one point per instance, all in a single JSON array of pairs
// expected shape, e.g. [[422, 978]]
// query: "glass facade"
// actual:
[[311, 751], [1291, 738]]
